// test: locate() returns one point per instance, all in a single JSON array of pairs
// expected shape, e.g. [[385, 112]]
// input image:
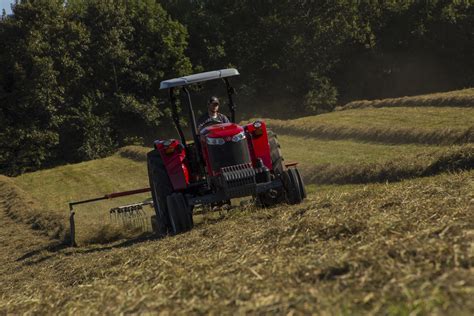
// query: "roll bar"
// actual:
[[182, 82]]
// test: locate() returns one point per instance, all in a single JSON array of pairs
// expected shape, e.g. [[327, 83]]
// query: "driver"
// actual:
[[212, 114]]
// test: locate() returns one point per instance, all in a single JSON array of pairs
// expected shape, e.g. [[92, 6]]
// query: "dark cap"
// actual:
[[214, 99]]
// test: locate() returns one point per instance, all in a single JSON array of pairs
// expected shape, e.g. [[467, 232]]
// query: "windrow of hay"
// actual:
[[450, 160], [461, 98], [20, 206], [388, 134], [404, 248]]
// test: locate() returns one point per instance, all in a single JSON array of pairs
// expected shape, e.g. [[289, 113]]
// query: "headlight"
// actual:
[[215, 141], [257, 124], [238, 137]]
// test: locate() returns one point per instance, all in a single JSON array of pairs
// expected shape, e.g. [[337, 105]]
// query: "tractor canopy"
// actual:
[[200, 77]]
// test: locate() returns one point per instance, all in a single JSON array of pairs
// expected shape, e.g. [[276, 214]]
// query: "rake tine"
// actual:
[[131, 215]]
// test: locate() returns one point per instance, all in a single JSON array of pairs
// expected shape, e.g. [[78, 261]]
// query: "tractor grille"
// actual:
[[238, 180], [229, 154]]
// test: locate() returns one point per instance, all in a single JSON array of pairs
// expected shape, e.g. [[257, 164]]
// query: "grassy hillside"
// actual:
[[399, 248]]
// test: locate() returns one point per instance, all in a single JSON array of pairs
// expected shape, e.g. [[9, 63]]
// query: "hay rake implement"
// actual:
[[131, 214]]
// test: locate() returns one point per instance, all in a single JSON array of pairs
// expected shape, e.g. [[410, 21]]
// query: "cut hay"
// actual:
[[403, 248]]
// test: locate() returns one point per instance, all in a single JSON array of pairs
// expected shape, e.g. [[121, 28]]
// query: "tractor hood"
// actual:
[[224, 130]]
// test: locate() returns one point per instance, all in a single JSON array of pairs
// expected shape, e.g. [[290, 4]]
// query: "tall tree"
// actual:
[[80, 77]]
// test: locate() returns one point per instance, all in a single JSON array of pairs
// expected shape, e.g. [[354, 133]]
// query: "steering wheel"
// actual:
[[212, 121]]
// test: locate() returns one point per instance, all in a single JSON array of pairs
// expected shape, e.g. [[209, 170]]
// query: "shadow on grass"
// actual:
[[54, 247], [65, 249]]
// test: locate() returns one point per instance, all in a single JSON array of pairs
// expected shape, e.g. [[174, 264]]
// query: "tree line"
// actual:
[[80, 78]]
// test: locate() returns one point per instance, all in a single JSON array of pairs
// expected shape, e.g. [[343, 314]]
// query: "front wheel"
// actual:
[[180, 213], [294, 186]]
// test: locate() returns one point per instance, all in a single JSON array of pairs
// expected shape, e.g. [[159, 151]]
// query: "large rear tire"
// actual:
[[181, 217], [294, 187], [161, 188]]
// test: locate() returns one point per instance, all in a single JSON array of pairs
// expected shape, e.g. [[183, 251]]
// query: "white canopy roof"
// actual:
[[204, 76]]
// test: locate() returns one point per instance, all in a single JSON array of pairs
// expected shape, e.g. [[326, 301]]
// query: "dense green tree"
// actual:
[[80, 77], [132, 47]]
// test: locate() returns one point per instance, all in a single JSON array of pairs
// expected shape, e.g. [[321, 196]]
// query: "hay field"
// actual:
[[402, 248], [387, 229]]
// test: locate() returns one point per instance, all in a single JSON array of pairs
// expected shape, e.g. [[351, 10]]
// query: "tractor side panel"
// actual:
[[258, 142], [173, 154]]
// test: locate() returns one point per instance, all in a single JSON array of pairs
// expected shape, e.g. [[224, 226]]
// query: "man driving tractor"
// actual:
[[212, 114]]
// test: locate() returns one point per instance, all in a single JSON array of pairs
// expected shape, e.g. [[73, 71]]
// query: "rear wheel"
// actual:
[[294, 187], [161, 188], [301, 186], [181, 217]]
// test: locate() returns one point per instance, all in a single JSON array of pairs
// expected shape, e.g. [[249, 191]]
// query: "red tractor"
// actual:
[[223, 161]]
